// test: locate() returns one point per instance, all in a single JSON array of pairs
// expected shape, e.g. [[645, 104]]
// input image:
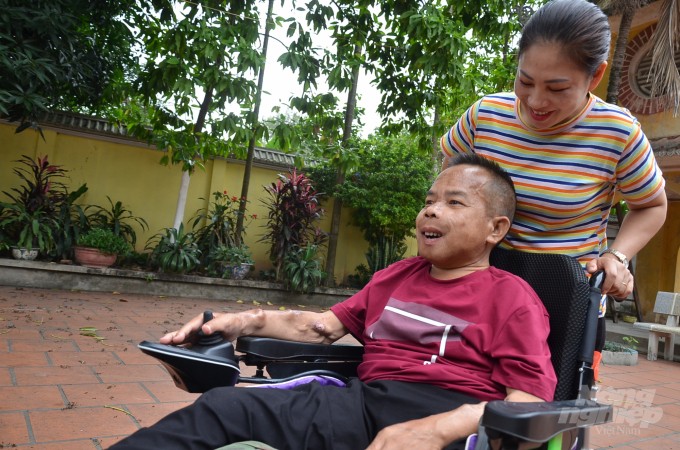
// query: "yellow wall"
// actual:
[[130, 172], [656, 265]]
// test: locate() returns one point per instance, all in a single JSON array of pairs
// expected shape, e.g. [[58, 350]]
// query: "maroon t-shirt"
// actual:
[[475, 335]]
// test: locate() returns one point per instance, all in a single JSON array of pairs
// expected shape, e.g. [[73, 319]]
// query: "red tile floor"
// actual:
[[66, 388]]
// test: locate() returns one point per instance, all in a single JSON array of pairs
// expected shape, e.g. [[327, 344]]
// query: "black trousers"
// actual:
[[310, 417]]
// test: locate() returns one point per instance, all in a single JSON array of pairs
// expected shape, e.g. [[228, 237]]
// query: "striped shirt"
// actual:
[[566, 176]]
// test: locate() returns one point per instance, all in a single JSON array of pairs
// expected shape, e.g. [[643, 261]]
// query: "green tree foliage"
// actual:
[[351, 24], [438, 57], [196, 92], [386, 192], [195, 88], [388, 189], [62, 54]]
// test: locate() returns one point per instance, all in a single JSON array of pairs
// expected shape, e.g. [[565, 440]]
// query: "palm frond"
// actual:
[[666, 44]]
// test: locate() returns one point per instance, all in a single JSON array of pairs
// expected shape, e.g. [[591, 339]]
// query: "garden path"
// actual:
[[61, 389]]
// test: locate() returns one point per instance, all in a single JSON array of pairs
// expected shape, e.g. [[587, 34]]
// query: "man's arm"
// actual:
[[301, 326], [437, 431], [432, 432]]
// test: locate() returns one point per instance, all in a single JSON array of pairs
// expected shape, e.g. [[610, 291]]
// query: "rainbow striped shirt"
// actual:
[[565, 177]]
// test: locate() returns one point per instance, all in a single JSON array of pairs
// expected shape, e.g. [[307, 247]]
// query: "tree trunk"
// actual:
[[186, 174], [340, 175], [619, 53], [181, 199], [436, 147], [245, 186]]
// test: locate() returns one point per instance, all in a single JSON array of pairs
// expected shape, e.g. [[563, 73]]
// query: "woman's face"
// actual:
[[552, 89]]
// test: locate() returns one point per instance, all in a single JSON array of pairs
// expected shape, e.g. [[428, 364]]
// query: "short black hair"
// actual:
[[502, 199]]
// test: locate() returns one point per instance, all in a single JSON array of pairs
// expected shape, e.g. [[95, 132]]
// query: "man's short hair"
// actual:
[[500, 193]]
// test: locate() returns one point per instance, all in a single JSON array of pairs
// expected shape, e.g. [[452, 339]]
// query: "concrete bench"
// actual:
[[668, 304]]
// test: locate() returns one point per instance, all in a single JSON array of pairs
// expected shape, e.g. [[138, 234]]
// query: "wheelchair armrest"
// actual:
[[540, 421], [196, 369], [286, 359], [265, 349]]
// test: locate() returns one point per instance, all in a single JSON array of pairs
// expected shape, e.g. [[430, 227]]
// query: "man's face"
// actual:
[[454, 228]]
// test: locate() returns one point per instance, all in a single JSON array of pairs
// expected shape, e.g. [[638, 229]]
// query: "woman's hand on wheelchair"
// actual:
[[618, 281]]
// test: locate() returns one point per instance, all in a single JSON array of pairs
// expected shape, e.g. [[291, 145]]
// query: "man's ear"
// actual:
[[501, 225]]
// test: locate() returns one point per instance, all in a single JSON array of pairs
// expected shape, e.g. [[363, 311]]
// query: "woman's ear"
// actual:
[[501, 226], [597, 76]]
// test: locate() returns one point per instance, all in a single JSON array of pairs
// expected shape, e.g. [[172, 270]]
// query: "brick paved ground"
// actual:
[[60, 389]]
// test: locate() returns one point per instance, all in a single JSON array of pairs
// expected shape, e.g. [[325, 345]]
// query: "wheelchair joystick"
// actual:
[[209, 339], [209, 363]]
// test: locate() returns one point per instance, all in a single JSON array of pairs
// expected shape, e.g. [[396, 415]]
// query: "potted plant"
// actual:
[[215, 228], [118, 218], [28, 221], [174, 250], [236, 260], [100, 247], [31, 231], [302, 270], [616, 353]]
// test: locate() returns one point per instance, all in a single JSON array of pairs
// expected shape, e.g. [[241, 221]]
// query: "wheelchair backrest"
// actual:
[[562, 285]]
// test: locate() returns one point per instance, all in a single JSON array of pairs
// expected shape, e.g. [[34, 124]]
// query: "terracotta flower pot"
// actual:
[[92, 257]]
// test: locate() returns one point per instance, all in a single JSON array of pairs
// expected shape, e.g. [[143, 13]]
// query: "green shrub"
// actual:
[[29, 219], [174, 250], [116, 218], [105, 240], [302, 270], [239, 254], [294, 212], [360, 278]]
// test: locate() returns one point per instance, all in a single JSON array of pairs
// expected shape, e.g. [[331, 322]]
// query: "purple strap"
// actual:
[[471, 442], [323, 380]]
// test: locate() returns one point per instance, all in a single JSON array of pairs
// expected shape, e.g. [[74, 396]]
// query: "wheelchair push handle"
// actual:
[[597, 279], [590, 331]]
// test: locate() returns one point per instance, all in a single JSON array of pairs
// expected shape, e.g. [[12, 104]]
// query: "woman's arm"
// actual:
[[640, 225], [638, 228]]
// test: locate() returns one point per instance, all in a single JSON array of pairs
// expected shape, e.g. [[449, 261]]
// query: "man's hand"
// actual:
[[415, 434], [230, 326], [430, 433]]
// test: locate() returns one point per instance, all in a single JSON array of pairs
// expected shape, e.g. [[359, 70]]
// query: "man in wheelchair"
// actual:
[[443, 333]]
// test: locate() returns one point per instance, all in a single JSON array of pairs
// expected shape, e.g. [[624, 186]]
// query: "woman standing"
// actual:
[[568, 151]]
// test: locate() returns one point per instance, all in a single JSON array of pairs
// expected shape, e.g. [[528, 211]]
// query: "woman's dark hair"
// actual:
[[501, 190], [579, 27]]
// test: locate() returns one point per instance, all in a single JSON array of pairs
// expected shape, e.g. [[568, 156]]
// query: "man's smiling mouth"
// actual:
[[431, 235]]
